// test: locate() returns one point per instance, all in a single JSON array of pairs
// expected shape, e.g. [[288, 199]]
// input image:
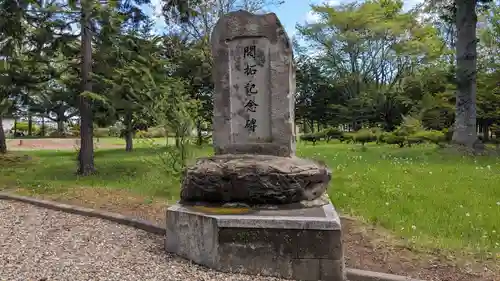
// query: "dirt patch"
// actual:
[[366, 247], [52, 144]]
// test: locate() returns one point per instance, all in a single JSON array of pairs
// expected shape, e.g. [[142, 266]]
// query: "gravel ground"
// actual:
[[40, 244]]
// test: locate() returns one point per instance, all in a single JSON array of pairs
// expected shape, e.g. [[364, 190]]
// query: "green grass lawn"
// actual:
[[424, 195]]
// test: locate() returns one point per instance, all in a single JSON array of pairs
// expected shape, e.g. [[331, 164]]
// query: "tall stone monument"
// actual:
[[255, 207]]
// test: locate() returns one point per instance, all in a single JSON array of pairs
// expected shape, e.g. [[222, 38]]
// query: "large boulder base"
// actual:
[[254, 179]]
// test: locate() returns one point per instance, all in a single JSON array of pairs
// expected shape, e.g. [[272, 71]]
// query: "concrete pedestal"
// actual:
[[301, 244]]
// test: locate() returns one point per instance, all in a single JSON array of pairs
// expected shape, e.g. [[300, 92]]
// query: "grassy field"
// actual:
[[427, 197]]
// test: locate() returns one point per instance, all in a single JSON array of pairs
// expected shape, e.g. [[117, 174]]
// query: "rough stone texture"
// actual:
[[254, 179], [253, 61], [280, 246]]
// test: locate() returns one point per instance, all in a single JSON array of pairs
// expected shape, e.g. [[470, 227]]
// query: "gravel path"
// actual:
[[40, 244]]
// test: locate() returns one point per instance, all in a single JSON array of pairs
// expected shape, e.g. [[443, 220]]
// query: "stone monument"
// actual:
[[255, 207]]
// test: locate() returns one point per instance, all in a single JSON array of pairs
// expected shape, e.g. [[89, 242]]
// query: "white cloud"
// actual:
[[157, 8], [312, 17]]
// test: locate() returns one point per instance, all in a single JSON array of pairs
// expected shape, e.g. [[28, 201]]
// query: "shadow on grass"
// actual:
[[98, 153], [109, 171]]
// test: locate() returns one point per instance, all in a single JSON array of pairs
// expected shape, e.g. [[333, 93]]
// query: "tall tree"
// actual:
[[369, 48], [463, 14], [466, 54]]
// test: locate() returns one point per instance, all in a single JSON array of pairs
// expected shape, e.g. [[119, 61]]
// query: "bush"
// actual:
[[314, 137], [393, 138], [347, 137], [364, 135], [74, 130], [115, 131], [410, 126], [44, 131], [142, 135], [100, 132], [433, 136], [377, 132], [24, 127], [411, 140], [448, 134], [156, 132], [495, 129], [331, 134], [57, 134]]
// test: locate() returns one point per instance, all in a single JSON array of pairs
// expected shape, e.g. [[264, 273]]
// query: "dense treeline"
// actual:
[[374, 66], [378, 64]]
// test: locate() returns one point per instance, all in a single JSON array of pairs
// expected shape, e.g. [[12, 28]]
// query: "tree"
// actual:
[[463, 13], [368, 49], [466, 52], [132, 74]]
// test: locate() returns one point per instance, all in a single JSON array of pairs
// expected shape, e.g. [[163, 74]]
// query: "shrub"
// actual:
[[383, 136], [331, 134], [24, 127], [142, 135], [100, 132], [74, 130], [57, 134], [156, 132], [377, 132], [115, 131], [44, 131], [410, 126], [495, 129], [314, 137], [320, 135], [433, 136], [347, 137], [411, 140], [393, 138], [448, 134], [364, 135]]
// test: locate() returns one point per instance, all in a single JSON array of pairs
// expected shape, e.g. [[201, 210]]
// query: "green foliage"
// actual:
[[364, 136], [347, 137], [313, 137], [151, 133], [433, 136], [448, 134], [393, 138], [101, 132], [409, 126], [24, 127], [495, 129], [115, 131], [331, 134]]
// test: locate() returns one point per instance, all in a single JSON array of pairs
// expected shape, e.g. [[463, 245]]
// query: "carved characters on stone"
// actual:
[[251, 91], [254, 86]]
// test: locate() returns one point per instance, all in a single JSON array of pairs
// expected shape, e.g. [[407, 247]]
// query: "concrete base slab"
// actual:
[[303, 244]]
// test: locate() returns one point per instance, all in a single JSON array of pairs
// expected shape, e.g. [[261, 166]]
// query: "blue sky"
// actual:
[[290, 13]]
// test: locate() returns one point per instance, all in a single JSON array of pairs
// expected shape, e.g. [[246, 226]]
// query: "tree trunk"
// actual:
[[465, 115], [199, 139], [86, 154], [42, 132], [129, 142], [3, 141], [15, 127], [486, 131], [60, 127], [30, 125], [177, 138]]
